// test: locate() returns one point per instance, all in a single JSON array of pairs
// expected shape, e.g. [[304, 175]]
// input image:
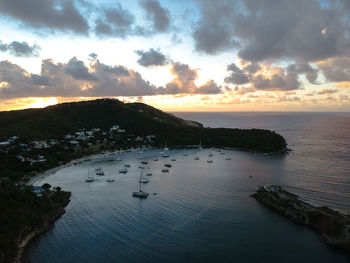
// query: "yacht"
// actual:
[[123, 170], [143, 180], [90, 179], [200, 146], [149, 173], [110, 180], [100, 173], [140, 193]]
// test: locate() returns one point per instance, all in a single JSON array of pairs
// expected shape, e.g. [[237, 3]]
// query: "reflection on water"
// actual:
[[202, 211]]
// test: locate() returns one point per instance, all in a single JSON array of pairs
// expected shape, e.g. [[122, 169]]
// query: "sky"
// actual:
[[184, 55]]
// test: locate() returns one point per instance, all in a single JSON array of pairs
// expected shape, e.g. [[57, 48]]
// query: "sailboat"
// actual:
[[109, 178], [140, 193], [185, 153], [143, 180], [89, 178], [200, 146], [149, 173]]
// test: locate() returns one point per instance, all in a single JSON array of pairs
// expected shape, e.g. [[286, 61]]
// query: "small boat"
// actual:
[[210, 155], [123, 170], [167, 164], [144, 162], [155, 159], [126, 165], [100, 173], [210, 161], [140, 193], [173, 160], [165, 155], [196, 158], [98, 169], [110, 180], [118, 160], [143, 180], [222, 153], [141, 167], [90, 179], [200, 146], [149, 173], [165, 170], [228, 158], [140, 152], [185, 154]]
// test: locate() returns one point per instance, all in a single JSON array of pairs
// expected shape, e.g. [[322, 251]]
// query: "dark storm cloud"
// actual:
[[151, 58], [159, 15], [58, 15], [75, 79], [20, 49]]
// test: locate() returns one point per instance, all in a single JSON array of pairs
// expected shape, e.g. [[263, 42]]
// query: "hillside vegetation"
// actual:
[[137, 118]]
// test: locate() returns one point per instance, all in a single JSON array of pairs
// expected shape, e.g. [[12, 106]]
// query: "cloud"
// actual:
[[56, 15], [75, 79], [327, 91], [20, 49], [336, 69], [214, 31], [151, 58], [264, 76], [159, 15], [301, 30], [184, 82], [116, 21]]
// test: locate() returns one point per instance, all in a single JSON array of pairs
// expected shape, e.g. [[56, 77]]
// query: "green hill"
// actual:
[[136, 118]]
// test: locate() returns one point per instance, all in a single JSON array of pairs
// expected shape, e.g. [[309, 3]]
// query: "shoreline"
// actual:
[[39, 177], [26, 241], [331, 225]]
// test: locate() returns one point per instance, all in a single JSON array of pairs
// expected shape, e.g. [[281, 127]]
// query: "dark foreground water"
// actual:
[[202, 212]]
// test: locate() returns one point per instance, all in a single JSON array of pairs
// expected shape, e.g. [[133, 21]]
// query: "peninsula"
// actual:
[[333, 226]]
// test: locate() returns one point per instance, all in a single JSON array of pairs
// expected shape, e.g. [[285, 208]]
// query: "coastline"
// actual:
[[39, 177], [333, 226]]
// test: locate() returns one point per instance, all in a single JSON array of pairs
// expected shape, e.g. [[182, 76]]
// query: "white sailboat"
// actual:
[[89, 178]]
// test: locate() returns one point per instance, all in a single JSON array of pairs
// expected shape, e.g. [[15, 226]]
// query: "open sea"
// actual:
[[202, 212]]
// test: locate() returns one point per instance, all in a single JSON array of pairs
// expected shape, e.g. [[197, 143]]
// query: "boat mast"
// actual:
[[140, 182]]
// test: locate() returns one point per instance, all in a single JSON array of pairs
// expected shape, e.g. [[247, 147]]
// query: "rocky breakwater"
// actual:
[[333, 226]]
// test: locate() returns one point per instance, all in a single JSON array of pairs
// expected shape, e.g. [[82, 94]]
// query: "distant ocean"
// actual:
[[202, 211], [319, 165]]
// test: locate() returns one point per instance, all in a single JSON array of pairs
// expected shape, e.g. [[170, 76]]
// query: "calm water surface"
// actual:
[[202, 212]]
